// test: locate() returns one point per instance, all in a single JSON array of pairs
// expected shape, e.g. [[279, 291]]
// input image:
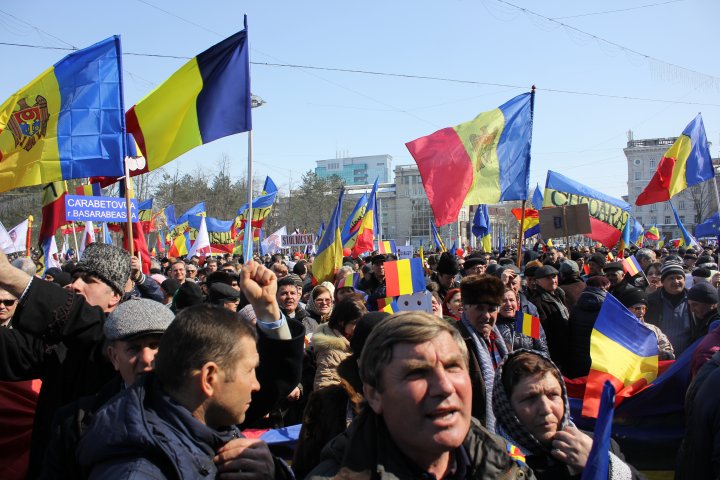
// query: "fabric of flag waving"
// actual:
[[404, 277], [686, 163], [329, 254], [623, 351], [67, 123], [485, 160], [207, 99], [608, 215], [527, 324]]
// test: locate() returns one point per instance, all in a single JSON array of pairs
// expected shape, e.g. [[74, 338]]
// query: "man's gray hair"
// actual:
[[405, 327], [645, 254]]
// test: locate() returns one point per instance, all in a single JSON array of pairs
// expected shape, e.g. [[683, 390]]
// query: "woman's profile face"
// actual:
[[538, 403]]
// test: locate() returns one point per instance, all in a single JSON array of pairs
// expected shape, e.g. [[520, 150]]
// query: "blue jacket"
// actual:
[[143, 433]]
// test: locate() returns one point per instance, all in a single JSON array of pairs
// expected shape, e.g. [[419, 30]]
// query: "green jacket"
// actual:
[[366, 451]]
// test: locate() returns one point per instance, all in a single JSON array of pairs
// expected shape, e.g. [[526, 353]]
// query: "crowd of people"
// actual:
[[157, 375]]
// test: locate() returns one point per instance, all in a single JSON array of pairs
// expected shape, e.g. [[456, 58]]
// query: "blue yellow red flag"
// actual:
[[67, 123], [366, 231], [687, 239], [352, 224], [439, 244], [404, 277], [329, 255]]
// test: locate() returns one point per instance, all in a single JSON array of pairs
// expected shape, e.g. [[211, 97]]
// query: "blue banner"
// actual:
[[99, 209]]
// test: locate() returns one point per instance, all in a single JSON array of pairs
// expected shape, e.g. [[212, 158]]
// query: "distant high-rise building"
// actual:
[[356, 170]]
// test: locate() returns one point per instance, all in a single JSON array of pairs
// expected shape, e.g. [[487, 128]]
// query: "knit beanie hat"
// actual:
[[137, 317], [704, 293], [634, 297], [671, 268], [107, 262]]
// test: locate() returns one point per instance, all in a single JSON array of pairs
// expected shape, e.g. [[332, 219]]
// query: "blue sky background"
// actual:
[[313, 114]]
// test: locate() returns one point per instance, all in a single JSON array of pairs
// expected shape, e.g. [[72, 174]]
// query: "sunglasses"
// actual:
[[8, 302]]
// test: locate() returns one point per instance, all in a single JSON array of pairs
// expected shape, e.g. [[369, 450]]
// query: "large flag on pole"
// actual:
[[687, 239], [201, 245], [481, 227], [329, 255], [685, 164], [485, 160], [207, 99], [67, 123], [352, 224], [439, 244], [709, 228], [537, 199], [366, 232]]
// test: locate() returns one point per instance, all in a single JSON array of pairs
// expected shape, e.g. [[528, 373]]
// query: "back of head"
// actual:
[[200, 334], [345, 311], [407, 327]]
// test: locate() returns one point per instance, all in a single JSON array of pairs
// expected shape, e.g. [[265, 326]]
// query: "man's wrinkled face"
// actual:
[[614, 277], [549, 283], [482, 317], [445, 279], [133, 357], [426, 397], [594, 269], [700, 310]]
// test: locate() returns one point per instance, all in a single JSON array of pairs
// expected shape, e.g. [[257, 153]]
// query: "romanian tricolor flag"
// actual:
[[652, 233], [261, 206], [404, 277], [366, 230], [386, 247], [515, 453], [329, 256], [686, 163], [527, 324], [623, 351], [631, 265], [89, 190], [179, 246], [531, 225], [687, 239], [67, 123], [485, 160], [207, 99], [388, 305], [608, 215]]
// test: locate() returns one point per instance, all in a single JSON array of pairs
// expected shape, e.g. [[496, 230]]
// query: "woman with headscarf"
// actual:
[[506, 324], [452, 304], [331, 341], [532, 412], [320, 304]]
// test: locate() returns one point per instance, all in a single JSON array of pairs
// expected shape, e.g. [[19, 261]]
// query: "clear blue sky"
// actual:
[[312, 114]]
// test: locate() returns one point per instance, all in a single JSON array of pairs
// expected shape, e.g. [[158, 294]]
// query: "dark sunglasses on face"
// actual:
[[8, 302]]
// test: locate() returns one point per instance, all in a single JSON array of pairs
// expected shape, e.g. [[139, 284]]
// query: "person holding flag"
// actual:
[[510, 323], [532, 413]]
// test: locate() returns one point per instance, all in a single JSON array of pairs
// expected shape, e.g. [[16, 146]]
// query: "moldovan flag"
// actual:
[[330, 250], [527, 324], [207, 99], [652, 233], [366, 231], [145, 216], [352, 224], [685, 164], [608, 215], [387, 247], [623, 352], [404, 277], [485, 160], [67, 123]]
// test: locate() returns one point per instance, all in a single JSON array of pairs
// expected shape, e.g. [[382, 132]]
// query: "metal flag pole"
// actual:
[[248, 242]]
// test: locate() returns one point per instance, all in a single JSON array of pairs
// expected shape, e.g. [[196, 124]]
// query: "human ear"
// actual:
[[374, 399]]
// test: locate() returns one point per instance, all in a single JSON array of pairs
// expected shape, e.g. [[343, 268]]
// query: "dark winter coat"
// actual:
[[582, 321], [699, 455], [143, 433], [554, 318], [516, 340], [573, 286], [366, 450], [57, 337]]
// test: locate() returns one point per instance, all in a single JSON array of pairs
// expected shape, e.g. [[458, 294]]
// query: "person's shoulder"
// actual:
[[130, 468]]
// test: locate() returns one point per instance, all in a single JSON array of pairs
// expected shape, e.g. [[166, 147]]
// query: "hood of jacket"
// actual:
[[325, 338]]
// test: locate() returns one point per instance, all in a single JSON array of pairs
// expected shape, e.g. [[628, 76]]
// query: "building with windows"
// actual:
[[357, 170], [693, 205]]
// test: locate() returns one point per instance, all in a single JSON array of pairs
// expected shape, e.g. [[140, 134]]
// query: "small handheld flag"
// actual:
[[527, 324], [387, 247], [404, 277], [348, 281], [631, 265], [388, 305]]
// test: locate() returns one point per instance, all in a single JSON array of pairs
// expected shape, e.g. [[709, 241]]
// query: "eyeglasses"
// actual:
[[8, 302], [323, 300]]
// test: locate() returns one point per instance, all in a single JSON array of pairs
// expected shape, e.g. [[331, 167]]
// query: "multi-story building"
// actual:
[[357, 170], [693, 205]]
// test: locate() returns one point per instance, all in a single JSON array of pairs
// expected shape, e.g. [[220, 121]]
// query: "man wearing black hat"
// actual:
[[703, 303], [554, 315], [224, 296], [668, 307], [377, 278], [447, 270], [595, 264], [619, 282], [474, 265]]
